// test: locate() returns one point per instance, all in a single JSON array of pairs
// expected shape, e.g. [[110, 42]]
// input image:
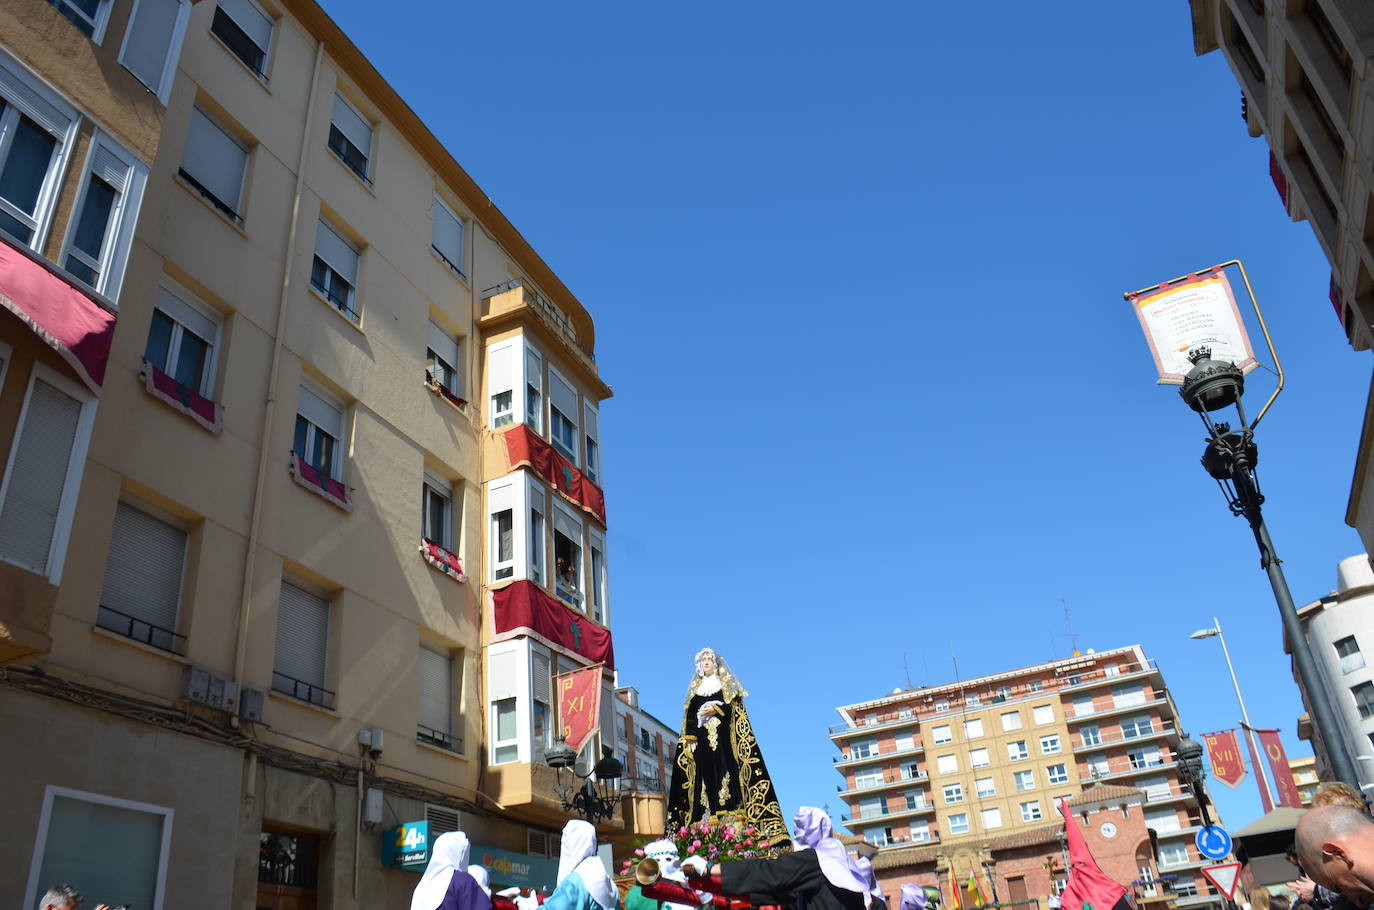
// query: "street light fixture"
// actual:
[[595, 795], [1189, 758], [1230, 458], [1215, 632]]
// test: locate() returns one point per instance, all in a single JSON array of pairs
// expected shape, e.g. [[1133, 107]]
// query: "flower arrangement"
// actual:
[[714, 842]]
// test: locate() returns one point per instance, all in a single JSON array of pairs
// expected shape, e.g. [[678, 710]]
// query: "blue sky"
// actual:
[[857, 279]]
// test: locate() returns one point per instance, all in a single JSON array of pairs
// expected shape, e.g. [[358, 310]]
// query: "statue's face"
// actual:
[[707, 664]]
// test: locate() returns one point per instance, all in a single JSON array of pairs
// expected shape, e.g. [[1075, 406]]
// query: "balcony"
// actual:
[[921, 807], [26, 614], [513, 299], [527, 792], [885, 784], [1118, 769], [1157, 700], [903, 718], [903, 840], [1117, 738], [854, 758]]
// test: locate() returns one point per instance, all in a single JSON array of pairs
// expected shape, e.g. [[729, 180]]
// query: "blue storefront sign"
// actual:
[[406, 846], [508, 869]]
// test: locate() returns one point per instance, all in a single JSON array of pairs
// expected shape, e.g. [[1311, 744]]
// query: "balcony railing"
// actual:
[[911, 808], [893, 781], [299, 688], [1154, 698], [851, 757], [1117, 737], [547, 311], [440, 738], [132, 627]]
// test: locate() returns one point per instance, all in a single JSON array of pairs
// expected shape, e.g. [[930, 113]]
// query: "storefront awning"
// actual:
[[69, 320]]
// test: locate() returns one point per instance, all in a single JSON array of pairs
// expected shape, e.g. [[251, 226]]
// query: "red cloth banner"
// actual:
[[1223, 754], [1266, 798], [1089, 888], [310, 477], [525, 605], [442, 560], [66, 318], [523, 448], [1278, 765], [181, 397], [579, 705]]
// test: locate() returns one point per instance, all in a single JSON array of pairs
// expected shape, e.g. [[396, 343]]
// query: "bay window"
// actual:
[[563, 412]]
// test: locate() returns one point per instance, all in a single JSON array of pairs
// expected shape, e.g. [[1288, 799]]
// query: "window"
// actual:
[[87, 15], [182, 339], [319, 427], [1050, 744], [447, 237], [213, 162], [1185, 889], [505, 745], [973, 728], [990, 818], [1173, 853], [1163, 820], [434, 716], [914, 800], [246, 29], [350, 137], [437, 518], [1056, 774], [442, 359], [47, 458], [501, 509], [1035, 685], [133, 863], [534, 384], [985, 786], [972, 701], [1017, 750], [947, 764], [597, 582], [954, 793], [334, 273], [35, 134], [1127, 696], [978, 758], [1137, 726], [101, 227], [863, 748], [941, 706], [299, 667], [1364, 698], [1043, 714], [567, 553], [293, 859], [873, 805], [942, 734], [1156, 787], [1091, 734], [1025, 780], [1011, 720], [541, 713], [1074, 679], [958, 824], [1098, 765], [1348, 650], [1004, 692], [538, 536], [141, 594], [591, 426], [563, 416], [1145, 758], [1113, 670], [1083, 706], [153, 41], [905, 742], [1030, 811]]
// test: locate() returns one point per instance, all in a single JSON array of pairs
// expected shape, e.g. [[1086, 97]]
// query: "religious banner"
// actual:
[[1223, 754], [579, 705], [1278, 764], [1266, 798], [1197, 310], [524, 448], [523, 606]]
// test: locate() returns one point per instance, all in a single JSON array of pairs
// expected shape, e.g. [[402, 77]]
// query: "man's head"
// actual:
[[1337, 793], [61, 897], [1336, 846]]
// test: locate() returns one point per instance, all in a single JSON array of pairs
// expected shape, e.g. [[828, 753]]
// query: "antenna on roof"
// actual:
[[907, 670], [1068, 624]]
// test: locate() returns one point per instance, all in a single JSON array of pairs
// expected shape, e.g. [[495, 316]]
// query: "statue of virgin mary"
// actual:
[[717, 767]]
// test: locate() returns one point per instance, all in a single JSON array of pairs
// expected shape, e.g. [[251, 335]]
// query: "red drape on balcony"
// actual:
[[524, 605], [66, 318], [523, 447]]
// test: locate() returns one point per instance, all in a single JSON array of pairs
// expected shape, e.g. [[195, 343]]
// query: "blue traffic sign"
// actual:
[[1213, 842]]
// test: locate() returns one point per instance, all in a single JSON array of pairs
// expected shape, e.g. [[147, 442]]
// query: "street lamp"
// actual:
[[1230, 458], [1215, 632], [1189, 758], [595, 795]]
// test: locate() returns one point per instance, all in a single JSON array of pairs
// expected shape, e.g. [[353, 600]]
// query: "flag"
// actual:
[[975, 893], [1223, 752], [1266, 798], [954, 903], [579, 705], [1278, 765], [1089, 888]]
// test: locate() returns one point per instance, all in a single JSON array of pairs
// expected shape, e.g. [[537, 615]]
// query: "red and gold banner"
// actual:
[[1223, 754], [579, 705], [1278, 766], [525, 448]]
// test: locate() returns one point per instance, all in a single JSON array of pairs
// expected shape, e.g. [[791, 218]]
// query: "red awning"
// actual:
[[68, 319], [526, 607]]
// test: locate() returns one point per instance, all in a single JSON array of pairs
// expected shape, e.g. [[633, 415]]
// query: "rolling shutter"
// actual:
[[435, 672], [320, 412], [357, 130], [337, 253], [33, 105], [215, 159], [443, 344], [448, 234], [563, 396], [249, 17], [149, 40], [143, 574], [38, 476], [302, 635]]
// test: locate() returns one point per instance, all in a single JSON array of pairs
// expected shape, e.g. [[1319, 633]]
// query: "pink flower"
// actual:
[[748, 843], [682, 832], [696, 845], [749, 831], [639, 851]]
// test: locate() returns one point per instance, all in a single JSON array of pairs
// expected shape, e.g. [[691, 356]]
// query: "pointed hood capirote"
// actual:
[[811, 830], [448, 856], [578, 857]]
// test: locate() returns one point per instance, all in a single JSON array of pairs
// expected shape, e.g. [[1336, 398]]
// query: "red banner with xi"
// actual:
[[579, 705], [1223, 754], [1278, 766]]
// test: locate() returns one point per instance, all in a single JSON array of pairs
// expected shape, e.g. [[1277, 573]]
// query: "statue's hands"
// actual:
[[711, 710]]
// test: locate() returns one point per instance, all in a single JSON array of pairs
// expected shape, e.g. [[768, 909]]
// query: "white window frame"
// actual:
[[591, 443], [973, 758], [498, 744], [26, 94], [119, 232], [952, 793], [456, 267], [266, 51], [314, 388], [1347, 665], [950, 767], [1048, 740], [369, 153], [580, 541], [445, 489], [994, 814], [984, 787], [1011, 720], [973, 729], [1061, 778], [1021, 754], [76, 465], [961, 825], [503, 496], [351, 310], [163, 89], [451, 655], [595, 581], [436, 333], [235, 205], [941, 735], [193, 303], [535, 421], [536, 557], [573, 451], [35, 888], [1019, 779], [97, 36], [1038, 714], [1030, 811]]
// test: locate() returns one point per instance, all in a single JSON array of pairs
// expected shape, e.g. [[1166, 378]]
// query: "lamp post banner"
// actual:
[[1199, 309], [579, 705], [1278, 765], [1223, 754]]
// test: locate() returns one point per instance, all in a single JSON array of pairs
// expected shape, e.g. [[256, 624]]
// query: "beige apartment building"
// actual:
[[1306, 74], [301, 507], [968, 774]]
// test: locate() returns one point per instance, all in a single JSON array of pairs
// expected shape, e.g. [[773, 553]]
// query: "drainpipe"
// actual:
[[269, 410]]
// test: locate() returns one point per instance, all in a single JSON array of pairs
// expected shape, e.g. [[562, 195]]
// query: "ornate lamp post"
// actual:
[[1230, 458], [595, 795], [1189, 758]]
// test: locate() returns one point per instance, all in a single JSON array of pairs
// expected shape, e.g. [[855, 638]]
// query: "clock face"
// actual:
[[1108, 830]]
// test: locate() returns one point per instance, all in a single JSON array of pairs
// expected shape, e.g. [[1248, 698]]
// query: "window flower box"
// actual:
[[180, 397], [442, 560], [308, 476], [443, 391]]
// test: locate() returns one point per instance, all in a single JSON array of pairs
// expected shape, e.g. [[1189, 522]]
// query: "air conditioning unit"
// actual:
[[250, 705], [204, 688]]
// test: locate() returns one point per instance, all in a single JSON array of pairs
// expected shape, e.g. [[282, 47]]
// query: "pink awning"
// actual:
[[66, 318]]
